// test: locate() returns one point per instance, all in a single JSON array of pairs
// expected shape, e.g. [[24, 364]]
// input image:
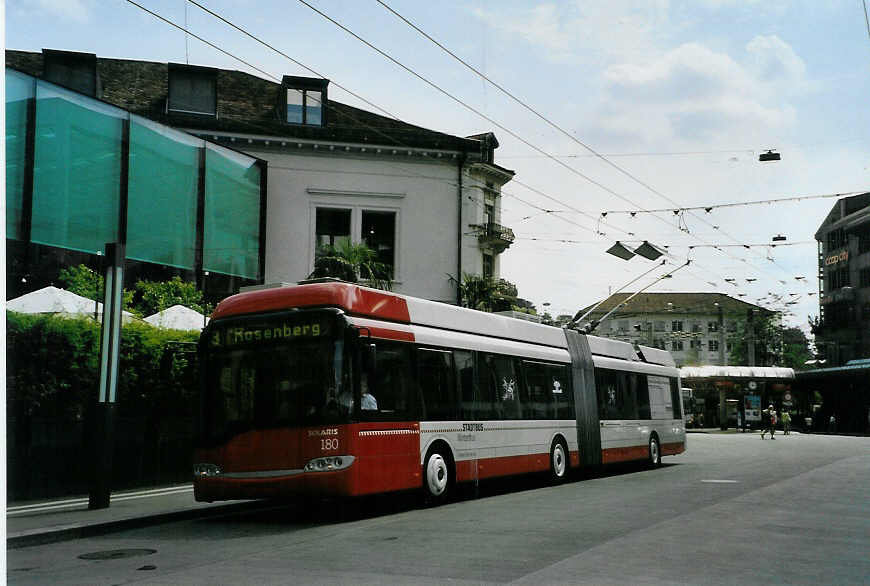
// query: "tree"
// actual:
[[487, 294], [154, 296], [83, 280], [795, 348], [768, 337], [352, 263]]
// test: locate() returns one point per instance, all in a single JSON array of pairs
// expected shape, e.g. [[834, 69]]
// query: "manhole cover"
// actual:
[[114, 554]]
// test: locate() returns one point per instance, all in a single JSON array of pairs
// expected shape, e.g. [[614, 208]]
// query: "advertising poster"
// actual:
[[752, 406]]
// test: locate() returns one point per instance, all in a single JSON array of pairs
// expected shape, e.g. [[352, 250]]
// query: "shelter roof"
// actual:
[[753, 372]]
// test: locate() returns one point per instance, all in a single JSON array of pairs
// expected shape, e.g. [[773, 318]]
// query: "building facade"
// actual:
[[427, 202], [696, 328], [843, 331]]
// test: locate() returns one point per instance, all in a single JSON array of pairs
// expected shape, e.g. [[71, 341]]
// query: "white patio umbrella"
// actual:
[[57, 301], [178, 317]]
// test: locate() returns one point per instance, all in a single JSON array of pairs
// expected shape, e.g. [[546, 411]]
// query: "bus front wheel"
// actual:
[[437, 480], [558, 461], [655, 453]]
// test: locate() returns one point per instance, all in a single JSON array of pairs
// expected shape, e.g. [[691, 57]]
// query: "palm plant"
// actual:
[[353, 263]]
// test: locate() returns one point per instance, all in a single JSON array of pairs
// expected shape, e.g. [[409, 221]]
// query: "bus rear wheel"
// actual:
[[437, 480], [655, 453], [558, 461]]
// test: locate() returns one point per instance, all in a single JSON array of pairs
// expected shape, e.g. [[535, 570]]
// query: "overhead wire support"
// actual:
[[711, 207]]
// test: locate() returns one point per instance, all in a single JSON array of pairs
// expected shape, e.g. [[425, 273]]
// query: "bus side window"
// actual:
[[643, 411], [539, 402], [498, 387], [392, 381], [435, 376], [675, 399], [463, 361], [561, 393]]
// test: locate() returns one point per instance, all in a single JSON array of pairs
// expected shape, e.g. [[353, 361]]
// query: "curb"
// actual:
[[33, 537]]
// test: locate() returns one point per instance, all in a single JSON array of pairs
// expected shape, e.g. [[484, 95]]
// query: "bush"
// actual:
[[52, 375]]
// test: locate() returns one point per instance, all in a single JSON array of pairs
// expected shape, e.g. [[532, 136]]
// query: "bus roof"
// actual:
[[362, 301]]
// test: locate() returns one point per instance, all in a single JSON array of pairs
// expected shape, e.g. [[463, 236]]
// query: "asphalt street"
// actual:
[[732, 510]]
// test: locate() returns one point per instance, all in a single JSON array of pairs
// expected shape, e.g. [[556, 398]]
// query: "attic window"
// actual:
[[304, 107], [76, 71], [304, 100], [192, 90]]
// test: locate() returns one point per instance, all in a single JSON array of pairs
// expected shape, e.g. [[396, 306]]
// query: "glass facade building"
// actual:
[[81, 173]]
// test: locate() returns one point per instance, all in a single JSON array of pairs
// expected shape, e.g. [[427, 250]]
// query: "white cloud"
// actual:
[[698, 94], [583, 31], [70, 10]]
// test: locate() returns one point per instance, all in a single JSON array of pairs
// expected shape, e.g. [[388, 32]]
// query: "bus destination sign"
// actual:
[[252, 334]]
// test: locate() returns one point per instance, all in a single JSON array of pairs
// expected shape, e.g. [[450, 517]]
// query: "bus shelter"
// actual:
[[842, 392], [734, 396]]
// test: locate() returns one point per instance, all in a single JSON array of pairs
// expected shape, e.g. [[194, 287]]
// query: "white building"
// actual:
[[427, 202]]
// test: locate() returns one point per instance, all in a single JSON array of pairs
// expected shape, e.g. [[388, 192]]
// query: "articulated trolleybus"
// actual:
[[338, 389]]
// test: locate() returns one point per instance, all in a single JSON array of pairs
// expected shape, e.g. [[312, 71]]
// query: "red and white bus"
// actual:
[[338, 389]]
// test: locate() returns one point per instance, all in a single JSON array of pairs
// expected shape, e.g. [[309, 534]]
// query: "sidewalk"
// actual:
[[60, 520]]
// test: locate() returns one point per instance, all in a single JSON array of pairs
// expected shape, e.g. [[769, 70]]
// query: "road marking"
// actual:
[[79, 502], [720, 481]]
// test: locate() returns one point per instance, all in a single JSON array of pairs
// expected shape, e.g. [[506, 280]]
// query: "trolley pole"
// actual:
[[103, 424]]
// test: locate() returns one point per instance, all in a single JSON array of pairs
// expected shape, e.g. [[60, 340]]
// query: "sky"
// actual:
[[652, 105]]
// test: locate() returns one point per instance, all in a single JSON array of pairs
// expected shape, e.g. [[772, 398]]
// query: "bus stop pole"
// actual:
[[103, 423]]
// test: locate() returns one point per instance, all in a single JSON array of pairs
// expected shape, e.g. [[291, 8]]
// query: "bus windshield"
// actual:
[[279, 371]]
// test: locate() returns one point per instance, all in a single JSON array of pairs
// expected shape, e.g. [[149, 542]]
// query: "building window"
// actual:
[[488, 266], [835, 239], [659, 326], [379, 234], [377, 230], [712, 326], [677, 326], [696, 327], [693, 344], [192, 90], [839, 278], [713, 345], [676, 344], [304, 107], [331, 229]]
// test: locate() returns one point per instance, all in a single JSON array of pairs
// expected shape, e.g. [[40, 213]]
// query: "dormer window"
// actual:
[[192, 90], [76, 71], [304, 100]]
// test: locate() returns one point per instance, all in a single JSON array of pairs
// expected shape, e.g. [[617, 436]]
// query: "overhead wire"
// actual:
[[519, 102], [274, 78]]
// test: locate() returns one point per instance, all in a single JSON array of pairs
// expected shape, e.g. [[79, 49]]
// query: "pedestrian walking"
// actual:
[[786, 422], [769, 422]]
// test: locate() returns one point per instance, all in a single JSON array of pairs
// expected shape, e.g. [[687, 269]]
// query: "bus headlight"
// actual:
[[205, 470], [329, 463]]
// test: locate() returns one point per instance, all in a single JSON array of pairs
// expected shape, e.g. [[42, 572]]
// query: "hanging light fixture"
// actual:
[[620, 251], [648, 250]]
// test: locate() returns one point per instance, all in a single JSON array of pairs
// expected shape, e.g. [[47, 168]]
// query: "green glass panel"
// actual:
[[77, 170], [19, 89], [161, 206], [232, 214]]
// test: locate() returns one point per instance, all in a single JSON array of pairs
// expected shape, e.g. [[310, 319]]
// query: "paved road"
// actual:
[[731, 510]]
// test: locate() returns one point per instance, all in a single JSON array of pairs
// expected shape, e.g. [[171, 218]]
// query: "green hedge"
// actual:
[[52, 375], [53, 366]]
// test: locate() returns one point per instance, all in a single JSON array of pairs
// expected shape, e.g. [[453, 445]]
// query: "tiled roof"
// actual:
[[248, 105], [682, 303]]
